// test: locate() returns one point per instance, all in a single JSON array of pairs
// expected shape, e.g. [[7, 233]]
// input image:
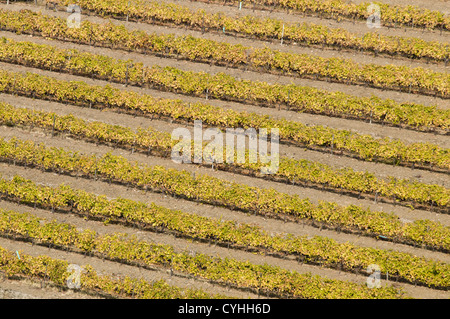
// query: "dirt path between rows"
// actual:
[[434, 5], [217, 35], [29, 289], [359, 28], [437, 5]]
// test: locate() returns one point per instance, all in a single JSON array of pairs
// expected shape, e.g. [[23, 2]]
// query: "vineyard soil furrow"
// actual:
[[266, 60], [416, 155], [129, 139], [355, 27], [107, 267], [382, 218], [321, 16], [434, 5], [33, 289]]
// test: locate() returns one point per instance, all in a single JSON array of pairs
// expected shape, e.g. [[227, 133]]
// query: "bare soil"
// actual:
[[439, 5], [271, 226]]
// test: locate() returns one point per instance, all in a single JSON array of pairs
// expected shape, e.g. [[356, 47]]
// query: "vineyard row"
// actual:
[[297, 172], [214, 191], [391, 15], [343, 142], [316, 250], [55, 272], [128, 249], [312, 100], [403, 78], [264, 29]]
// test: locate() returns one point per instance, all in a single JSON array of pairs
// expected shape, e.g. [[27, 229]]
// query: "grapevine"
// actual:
[[424, 155], [55, 271], [268, 29], [299, 172], [316, 250], [128, 249], [210, 190], [423, 81], [393, 15]]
